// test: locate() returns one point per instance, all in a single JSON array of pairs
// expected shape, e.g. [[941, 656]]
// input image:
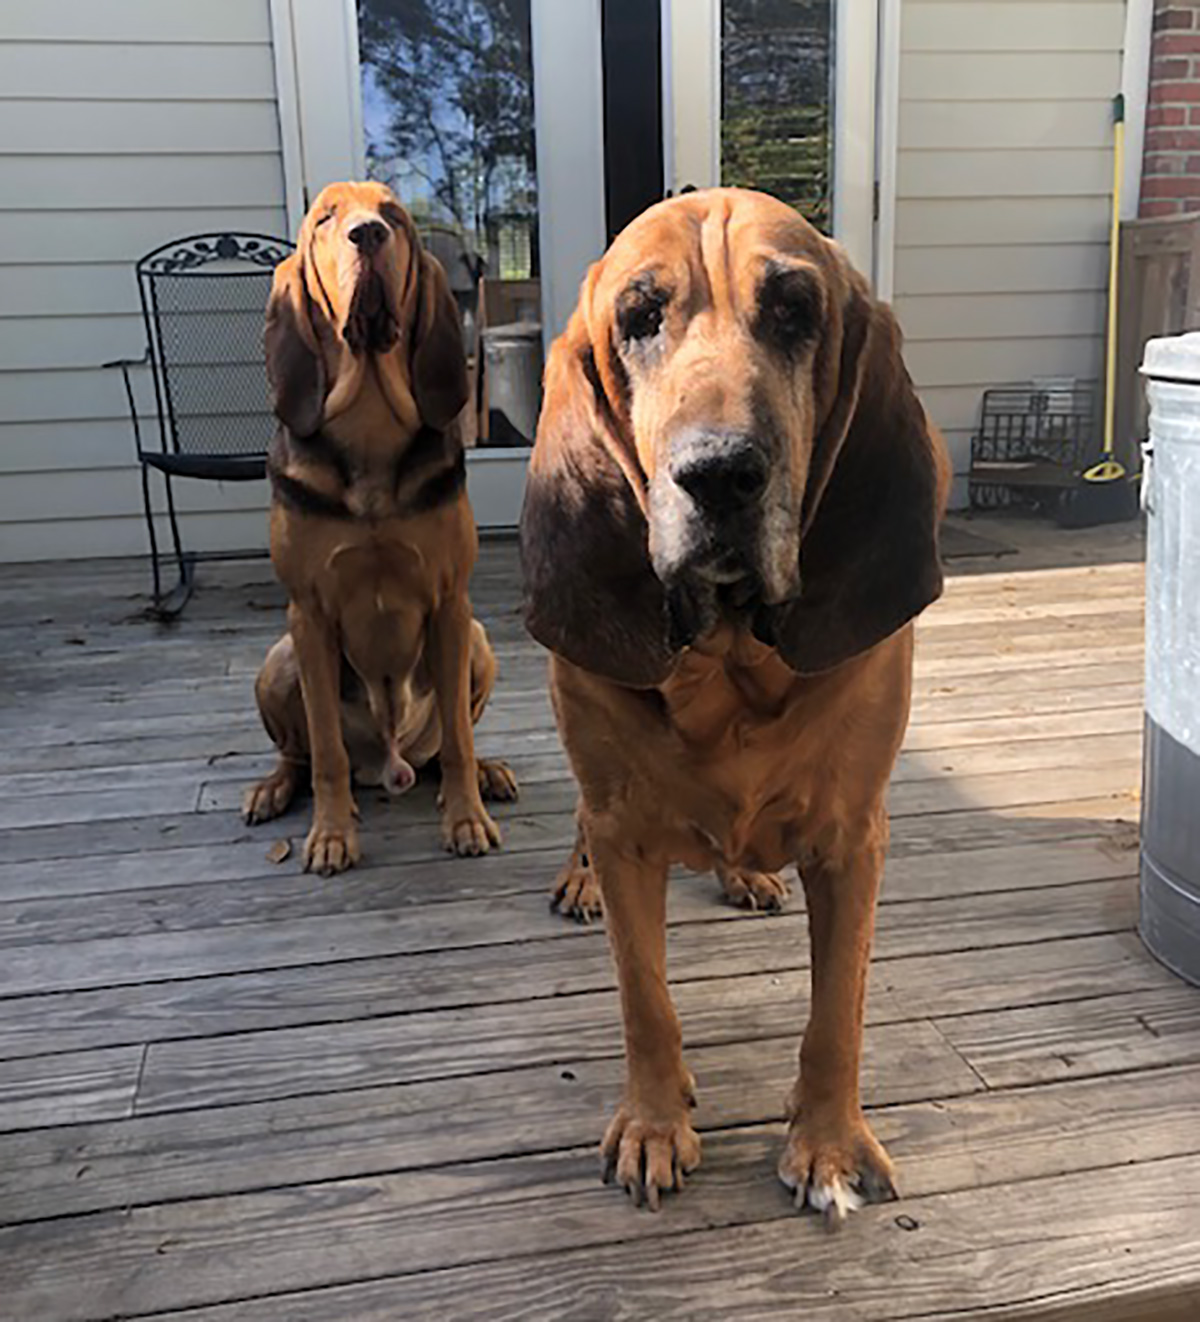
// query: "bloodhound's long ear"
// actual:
[[295, 367], [868, 548], [591, 595], [439, 362]]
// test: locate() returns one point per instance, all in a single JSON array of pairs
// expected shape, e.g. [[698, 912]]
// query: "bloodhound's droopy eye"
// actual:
[[791, 306], [640, 308]]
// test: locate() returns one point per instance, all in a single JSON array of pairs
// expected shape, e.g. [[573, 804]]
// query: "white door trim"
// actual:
[[887, 148], [319, 98], [568, 116], [691, 55], [287, 105], [1135, 84], [856, 28]]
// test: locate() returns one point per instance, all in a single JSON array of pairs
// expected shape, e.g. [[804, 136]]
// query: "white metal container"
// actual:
[[514, 373], [1170, 899]]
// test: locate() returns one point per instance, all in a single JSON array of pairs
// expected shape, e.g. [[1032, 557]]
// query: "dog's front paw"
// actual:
[[836, 1170], [496, 781], [649, 1157], [331, 848], [467, 829]]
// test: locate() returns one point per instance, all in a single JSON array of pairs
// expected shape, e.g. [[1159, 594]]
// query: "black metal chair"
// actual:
[[203, 300]]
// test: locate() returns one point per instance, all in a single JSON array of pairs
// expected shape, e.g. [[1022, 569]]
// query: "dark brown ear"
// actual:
[[295, 368], [591, 595], [868, 548], [439, 362]]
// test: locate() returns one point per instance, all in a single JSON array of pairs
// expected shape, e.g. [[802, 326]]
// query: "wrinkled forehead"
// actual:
[[707, 247], [365, 196]]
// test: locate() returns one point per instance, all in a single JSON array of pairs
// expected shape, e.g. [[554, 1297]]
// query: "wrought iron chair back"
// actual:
[[202, 301]]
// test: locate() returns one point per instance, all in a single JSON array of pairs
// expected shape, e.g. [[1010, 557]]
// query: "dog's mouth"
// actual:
[[372, 325], [716, 588], [725, 586]]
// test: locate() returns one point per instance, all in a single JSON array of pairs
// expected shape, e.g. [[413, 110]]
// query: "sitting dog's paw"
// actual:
[[270, 796], [576, 892], [649, 1158], [836, 1173], [496, 781], [764, 891], [467, 829], [331, 849]]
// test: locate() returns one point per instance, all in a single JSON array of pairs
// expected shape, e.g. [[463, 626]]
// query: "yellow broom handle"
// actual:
[[1110, 348]]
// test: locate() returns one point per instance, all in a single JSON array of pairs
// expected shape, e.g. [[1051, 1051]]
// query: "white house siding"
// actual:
[[1004, 183], [123, 125]]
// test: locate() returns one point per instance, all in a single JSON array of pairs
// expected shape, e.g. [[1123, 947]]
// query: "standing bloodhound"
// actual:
[[729, 526], [383, 666]]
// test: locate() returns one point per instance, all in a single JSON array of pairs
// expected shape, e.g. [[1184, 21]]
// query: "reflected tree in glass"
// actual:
[[448, 119], [775, 101]]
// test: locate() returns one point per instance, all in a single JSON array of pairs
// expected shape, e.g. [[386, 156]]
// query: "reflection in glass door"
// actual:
[[776, 89], [778, 95], [448, 123], [487, 117]]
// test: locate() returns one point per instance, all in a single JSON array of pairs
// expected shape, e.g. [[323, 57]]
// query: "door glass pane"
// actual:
[[447, 94], [776, 81]]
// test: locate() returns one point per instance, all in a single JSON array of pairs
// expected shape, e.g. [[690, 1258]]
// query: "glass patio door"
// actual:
[[778, 95], [486, 117]]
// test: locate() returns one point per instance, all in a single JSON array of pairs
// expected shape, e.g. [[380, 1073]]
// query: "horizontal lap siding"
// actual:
[[1003, 194], [122, 126]]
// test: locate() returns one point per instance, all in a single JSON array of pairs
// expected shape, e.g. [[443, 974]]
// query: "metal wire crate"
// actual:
[[1032, 441]]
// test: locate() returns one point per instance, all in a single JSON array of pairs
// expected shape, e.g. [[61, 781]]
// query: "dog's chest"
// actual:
[[754, 756]]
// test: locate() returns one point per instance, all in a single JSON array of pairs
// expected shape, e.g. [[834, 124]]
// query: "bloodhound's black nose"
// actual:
[[721, 471], [368, 236]]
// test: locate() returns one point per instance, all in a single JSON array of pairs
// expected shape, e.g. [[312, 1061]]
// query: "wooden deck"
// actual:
[[232, 1091]]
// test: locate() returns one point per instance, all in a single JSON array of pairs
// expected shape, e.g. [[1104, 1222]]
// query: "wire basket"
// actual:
[[1032, 441]]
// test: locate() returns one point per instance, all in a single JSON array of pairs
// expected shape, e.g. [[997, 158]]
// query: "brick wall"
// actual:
[[1171, 165]]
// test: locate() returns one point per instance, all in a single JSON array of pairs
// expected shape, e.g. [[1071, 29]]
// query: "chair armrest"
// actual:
[[130, 362], [125, 364]]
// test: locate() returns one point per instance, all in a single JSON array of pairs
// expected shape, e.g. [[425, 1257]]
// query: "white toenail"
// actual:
[[837, 1194]]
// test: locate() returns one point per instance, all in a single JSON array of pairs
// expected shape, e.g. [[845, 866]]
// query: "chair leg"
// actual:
[[170, 606], [153, 537]]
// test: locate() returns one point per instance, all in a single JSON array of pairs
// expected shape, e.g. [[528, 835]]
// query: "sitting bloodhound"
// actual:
[[383, 667], [729, 526]]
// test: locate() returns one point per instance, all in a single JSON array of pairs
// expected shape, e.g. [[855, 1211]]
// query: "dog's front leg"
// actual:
[[832, 1160], [650, 1144], [332, 844], [466, 826]]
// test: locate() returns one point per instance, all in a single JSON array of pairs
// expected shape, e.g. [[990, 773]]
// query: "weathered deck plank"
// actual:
[[230, 1088]]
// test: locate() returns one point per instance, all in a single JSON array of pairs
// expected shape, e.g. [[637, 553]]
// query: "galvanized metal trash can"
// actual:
[[514, 372], [1170, 873]]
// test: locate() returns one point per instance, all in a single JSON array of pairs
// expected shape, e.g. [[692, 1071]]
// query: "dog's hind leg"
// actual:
[[281, 706], [496, 780], [764, 891], [576, 892]]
